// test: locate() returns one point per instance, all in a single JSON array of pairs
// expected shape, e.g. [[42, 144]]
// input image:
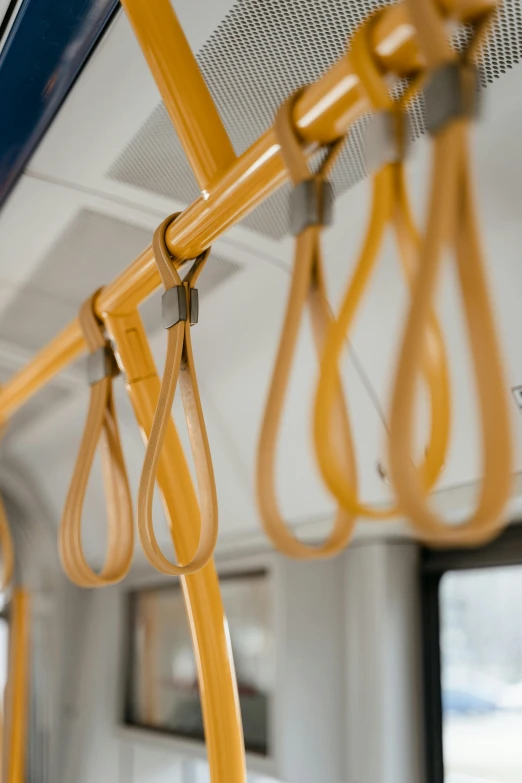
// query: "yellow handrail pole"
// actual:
[[216, 676], [182, 87], [326, 109], [18, 688]]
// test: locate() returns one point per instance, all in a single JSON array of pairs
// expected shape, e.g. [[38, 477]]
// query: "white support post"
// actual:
[[384, 731]]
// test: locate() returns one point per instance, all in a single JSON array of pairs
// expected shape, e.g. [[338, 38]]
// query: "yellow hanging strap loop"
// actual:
[[6, 549], [101, 423], [451, 224], [389, 205], [309, 207], [180, 310]]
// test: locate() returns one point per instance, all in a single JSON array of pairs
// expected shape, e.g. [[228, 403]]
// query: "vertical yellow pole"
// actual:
[[182, 87], [2, 738], [217, 681], [17, 701]]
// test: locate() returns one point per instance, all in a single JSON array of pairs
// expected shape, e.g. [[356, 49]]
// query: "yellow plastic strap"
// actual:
[[389, 206], [179, 364], [451, 221], [307, 290], [101, 423]]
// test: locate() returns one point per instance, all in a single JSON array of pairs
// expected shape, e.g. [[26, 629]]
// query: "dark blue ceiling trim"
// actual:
[[46, 48]]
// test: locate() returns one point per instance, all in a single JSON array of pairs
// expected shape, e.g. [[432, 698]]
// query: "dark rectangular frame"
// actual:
[[129, 663], [506, 550]]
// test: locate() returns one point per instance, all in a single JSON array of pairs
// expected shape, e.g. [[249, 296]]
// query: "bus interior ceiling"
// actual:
[[344, 637]]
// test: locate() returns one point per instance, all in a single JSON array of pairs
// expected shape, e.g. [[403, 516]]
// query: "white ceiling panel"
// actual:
[[111, 100], [38, 213]]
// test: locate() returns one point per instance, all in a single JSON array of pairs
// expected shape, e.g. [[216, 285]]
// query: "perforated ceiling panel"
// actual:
[[260, 53]]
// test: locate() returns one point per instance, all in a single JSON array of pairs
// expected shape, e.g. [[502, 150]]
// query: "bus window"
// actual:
[[473, 662], [481, 675], [162, 685]]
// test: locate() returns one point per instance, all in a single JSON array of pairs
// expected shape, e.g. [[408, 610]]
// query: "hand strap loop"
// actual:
[[451, 221], [389, 206], [101, 423], [180, 309], [310, 206]]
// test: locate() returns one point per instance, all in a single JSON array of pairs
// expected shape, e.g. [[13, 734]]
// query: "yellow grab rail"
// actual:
[[182, 87]]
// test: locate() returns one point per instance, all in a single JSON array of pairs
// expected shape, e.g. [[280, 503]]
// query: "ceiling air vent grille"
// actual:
[[260, 53], [91, 251]]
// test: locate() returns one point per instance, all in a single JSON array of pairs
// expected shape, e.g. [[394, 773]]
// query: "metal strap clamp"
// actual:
[[311, 204], [101, 364], [452, 92], [386, 139], [174, 306]]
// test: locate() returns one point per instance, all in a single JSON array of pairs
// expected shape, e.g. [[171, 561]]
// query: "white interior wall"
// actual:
[[309, 706], [348, 707], [384, 741], [56, 612]]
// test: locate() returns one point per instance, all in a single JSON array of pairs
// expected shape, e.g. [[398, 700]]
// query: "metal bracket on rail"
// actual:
[[451, 93], [386, 139], [311, 204], [174, 306], [101, 364]]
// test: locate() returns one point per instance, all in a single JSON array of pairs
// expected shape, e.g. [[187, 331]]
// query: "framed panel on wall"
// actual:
[[162, 688]]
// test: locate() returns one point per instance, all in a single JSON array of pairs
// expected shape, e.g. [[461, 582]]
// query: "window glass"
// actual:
[[481, 670], [163, 688]]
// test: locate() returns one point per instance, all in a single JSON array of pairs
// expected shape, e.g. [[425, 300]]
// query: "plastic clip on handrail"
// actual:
[[180, 310], [389, 206], [309, 206], [101, 422], [451, 221], [7, 550]]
